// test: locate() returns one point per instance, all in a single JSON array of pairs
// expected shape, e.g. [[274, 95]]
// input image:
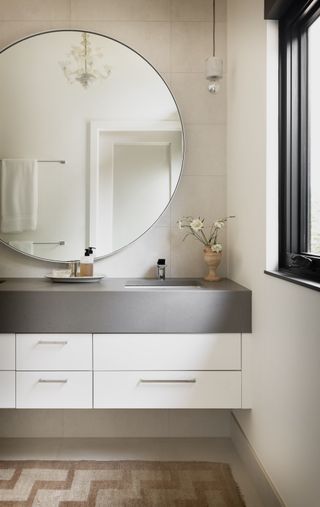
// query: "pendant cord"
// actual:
[[213, 27]]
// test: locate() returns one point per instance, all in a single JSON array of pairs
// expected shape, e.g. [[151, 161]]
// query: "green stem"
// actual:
[[198, 237], [212, 233], [204, 237]]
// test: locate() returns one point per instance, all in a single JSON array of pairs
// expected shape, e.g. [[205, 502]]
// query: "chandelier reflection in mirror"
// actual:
[[83, 65]]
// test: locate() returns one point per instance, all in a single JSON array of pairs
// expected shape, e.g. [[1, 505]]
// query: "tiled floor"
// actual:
[[171, 449]]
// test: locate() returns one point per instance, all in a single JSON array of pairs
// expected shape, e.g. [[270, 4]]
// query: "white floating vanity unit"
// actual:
[[117, 344]]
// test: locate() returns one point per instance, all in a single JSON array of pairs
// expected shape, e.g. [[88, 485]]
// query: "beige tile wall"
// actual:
[[176, 37]]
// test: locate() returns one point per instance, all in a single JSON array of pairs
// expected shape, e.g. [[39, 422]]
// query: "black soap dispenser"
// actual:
[[86, 262]]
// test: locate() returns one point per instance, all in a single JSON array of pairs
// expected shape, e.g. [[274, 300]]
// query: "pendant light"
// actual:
[[214, 65]]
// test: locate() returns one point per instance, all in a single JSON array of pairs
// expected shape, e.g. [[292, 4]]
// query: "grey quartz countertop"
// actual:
[[37, 305], [108, 285]]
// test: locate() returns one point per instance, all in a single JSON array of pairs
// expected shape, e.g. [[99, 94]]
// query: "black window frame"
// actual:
[[294, 260]]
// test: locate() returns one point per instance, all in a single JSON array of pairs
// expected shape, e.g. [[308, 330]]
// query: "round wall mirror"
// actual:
[[91, 145]]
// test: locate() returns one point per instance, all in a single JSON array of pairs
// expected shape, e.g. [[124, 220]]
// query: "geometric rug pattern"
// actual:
[[117, 484]]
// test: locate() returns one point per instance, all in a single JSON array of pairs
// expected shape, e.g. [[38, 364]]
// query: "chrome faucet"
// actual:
[[161, 265]]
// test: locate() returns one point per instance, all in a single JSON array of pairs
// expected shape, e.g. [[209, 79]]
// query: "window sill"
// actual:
[[285, 275]]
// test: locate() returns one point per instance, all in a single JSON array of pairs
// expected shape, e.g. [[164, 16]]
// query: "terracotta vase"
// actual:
[[212, 259]]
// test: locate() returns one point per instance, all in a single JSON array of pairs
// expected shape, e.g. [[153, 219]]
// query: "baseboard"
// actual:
[[266, 490]]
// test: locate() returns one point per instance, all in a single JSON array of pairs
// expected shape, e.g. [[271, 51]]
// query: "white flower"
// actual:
[[216, 248], [196, 224], [180, 224], [218, 224]]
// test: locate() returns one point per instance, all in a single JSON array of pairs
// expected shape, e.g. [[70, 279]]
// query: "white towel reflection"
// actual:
[[19, 195]]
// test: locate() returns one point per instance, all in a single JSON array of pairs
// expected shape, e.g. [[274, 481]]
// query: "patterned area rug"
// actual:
[[117, 483]]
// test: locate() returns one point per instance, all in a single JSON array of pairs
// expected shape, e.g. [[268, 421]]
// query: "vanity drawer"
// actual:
[[167, 351], [54, 389], [7, 351], [158, 389], [7, 389], [54, 351]]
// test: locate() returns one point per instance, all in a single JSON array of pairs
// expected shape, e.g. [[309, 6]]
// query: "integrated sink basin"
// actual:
[[168, 283]]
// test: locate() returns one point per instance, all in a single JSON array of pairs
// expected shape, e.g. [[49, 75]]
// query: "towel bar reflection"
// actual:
[[49, 243], [51, 161]]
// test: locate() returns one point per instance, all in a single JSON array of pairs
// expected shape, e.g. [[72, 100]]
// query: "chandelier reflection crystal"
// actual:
[[83, 64]]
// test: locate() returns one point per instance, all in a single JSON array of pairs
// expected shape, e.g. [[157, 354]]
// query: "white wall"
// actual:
[[284, 424], [176, 37]]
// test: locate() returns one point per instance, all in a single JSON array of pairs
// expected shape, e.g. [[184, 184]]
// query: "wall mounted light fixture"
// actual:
[[214, 65]]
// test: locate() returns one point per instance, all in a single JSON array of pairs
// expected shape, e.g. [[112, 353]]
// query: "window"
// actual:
[[299, 180], [314, 133]]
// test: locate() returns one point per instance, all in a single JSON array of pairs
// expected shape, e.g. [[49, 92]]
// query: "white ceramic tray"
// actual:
[[75, 279]]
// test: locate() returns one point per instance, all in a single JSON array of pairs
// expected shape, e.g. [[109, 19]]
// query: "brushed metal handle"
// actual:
[[52, 342], [168, 381], [52, 381]]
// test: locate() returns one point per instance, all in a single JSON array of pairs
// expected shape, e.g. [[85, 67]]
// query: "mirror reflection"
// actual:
[[91, 145]]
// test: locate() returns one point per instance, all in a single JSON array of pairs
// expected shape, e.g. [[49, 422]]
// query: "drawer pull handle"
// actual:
[[52, 381], [168, 381], [52, 342]]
